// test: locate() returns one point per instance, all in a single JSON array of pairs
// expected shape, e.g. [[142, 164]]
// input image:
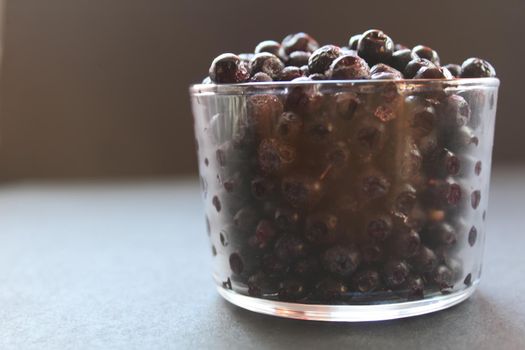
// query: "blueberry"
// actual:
[[290, 247], [475, 198], [375, 186], [291, 290], [236, 263], [406, 244], [317, 76], [415, 287], [307, 267], [405, 201], [270, 46], [245, 219], [415, 65], [477, 68], [260, 77], [289, 126], [445, 162], [216, 203], [228, 69], [372, 253], [400, 59], [274, 156], [366, 281], [423, 122], [443, 277], [472, 236], [273, 266], [321, 228], [379, 228], [426, 52], [260, 284], [262, 112], [370, 138], [322, 58], [287, 219], [267, 63], [346, 104], [433, 72], [454, 69], [395, 273], [424, 260], [337, 155], [447, 192], [383, 71], [290, 73], [353, 41], [330, 290], [264, 234], [441, 235], [349, 67], [319, 129], [305, 70], [262, 187], [454, 111], [341, 260], [301, 192], [375, 47], [299, 42], [302, 99], [298, 58]]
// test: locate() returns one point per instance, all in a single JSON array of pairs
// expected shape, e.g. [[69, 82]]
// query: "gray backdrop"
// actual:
[[99, 88]]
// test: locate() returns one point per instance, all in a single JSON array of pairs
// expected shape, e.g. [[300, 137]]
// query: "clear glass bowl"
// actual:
[[346, 200]]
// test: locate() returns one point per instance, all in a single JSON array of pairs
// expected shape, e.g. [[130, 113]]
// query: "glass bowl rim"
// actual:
[[406, 84]]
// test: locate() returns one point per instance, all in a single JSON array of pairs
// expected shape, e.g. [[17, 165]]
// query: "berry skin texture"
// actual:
[[270, 46], [267, 63], [477, 68], [349, 67], [322, 58], [228, 69], [299, 42], [426, 52], [341, 261]]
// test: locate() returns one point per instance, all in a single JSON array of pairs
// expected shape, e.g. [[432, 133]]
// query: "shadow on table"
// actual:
[[476, 322]]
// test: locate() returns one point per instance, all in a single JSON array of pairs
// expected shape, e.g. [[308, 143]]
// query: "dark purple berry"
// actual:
[[290, 73], [423, 122], [236, 263], [290, 247], [245, 219], [307, 267], [375, 186], [301, 192], [454, 69], [291, 289], [448, 192], [274, 156], [346, 104], [454, 110], [375, 47], [270, 46], [405, 201], [321, 228], [395, 273], [372, 253], [475, 198], [341, 260], [441, 234], [228, 69], [400, 59], [263, 111], [330, 290], [319, 129], [353, 41], [382, 71], [216, 203], [274, 266], [260, 284], [443, 277], [424, 260], [289, 126], [298, 59], [322, 58], [415, 287], [299, 42], [260, 78], [262, 187], [264, 234], [477, 68], [433, 72], [366, 281], [444, 162], [472, 236], [426, 53], [370, 138], [406, 244], [287, 219], [379, 228], [267, 63], [349, 67], [414, 66], [302, 99]]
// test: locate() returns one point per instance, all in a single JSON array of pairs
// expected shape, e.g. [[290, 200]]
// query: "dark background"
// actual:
[[99, 88]]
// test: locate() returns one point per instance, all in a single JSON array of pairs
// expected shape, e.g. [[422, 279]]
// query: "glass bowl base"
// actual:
[[347, 313]]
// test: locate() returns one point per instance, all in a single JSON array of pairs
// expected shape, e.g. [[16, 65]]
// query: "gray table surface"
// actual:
[[126, 266]]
